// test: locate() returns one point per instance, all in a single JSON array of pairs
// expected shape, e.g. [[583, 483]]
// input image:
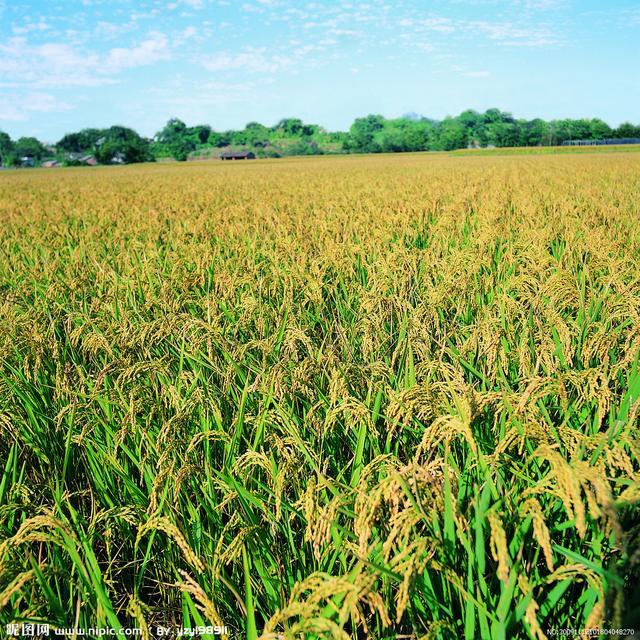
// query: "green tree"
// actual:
[[393, 140], [600, 129], [70, 142], [6, 148], [122, 141], [627, 130], [256, 134], [172, 131], [290, 126], [362, 134], [304, 147], [493, 115], [181, 148], [199, 134], [450, 134], [534, 133], [474, 123], [219, 139], [29, 147], [80, 141]]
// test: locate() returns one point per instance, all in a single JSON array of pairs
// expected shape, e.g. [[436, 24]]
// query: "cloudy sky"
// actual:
[[68, 64]]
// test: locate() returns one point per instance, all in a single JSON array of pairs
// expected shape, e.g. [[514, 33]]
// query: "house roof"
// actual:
[[236, 154]]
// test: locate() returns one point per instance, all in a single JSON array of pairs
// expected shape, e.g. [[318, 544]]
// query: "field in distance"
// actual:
[[335, 397], [519, 151]]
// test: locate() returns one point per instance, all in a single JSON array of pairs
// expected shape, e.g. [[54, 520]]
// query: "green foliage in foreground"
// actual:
[[328, 401]]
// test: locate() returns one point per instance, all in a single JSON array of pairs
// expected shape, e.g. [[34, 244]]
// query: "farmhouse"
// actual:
[[79, 158], [237, 155]]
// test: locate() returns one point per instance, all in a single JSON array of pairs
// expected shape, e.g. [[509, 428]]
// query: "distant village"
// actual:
[[70, 158], [120, 145]]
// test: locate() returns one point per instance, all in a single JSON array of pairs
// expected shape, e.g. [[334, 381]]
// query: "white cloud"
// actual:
[[442, 25], [542, 5], [186, 35], [193, 4], [351, 33], [510, 34], [477, 74], [56, 64], [46, 65], [251, 8], [153, 49], [254, 60], [18, 107], [109, 30], [41, 25]]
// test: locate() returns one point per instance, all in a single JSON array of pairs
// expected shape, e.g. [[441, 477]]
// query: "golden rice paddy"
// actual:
[[322, 398]]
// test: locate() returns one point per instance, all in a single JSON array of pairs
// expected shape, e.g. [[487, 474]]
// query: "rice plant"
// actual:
[[323, 398]]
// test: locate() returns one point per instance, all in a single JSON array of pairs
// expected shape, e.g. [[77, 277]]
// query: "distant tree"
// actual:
[[449, 134], [125, 142], [237, 137], [416, 135], [119, 133], [269, 152], [492, 115], [393, 140], [362, 134], [6, 148], [627, 130], [80, 141], [304, 147], [70, 142], [174, 130], [219, 139], [369, 134], [200, 133], [89, 137], [31, 147], [580, 129], [475, 125], [290, 126], [504, 134], [177, 140], [256, 134], [181, 148], [599, 129], [107, 151], [471, 119], [534, 133]]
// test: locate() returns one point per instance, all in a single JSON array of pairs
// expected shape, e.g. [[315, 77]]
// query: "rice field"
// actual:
[[350, 397]]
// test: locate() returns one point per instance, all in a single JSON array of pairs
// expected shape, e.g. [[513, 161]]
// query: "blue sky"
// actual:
[[67, 64]]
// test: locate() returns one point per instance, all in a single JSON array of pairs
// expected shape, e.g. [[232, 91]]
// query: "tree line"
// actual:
[[291, 136], [116, 143]]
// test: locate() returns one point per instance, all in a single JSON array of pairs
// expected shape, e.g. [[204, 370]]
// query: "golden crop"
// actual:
[[338, 397]]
